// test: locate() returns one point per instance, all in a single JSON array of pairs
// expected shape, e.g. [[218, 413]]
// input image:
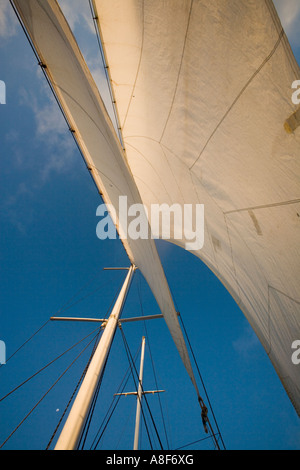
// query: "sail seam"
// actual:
[[263, 206], [232, 259], [106, 70], [138, 68], [266, 60], [171, 170], [286, 44], [283, 293], [152, 166], [193, 176], [269, 350], [179, 71]]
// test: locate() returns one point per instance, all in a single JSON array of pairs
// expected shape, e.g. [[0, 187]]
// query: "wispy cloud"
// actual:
[[289, 13], [8, 20], [77, 12], [52, 152], [19, 193], [79, 17], [51, 131], [247, 343]]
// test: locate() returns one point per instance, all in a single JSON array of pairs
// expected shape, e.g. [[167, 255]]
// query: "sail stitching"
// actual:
[[106, 70], [179, 71], [193, 176], [138, 69], [152, 166], [264, 206], [286, 295], [266, 60], [232, 260], [277, 23]]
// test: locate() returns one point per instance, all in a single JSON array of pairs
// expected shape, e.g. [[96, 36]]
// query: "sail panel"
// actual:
[[92, 128], [203, 91]]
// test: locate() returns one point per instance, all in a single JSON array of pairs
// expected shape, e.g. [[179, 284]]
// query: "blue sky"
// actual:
[[49, 251]]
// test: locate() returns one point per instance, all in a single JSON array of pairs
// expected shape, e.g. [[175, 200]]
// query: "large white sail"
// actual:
[[203, 91], [94, 132]]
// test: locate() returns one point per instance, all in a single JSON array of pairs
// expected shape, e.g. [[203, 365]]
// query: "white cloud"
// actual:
[[8, 20], [51, 131], [13, 207], [19, 193], [77, 12], [289, 14], [247, 343], [79, 16]]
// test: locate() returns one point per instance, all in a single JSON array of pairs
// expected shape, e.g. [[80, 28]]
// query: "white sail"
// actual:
[[203, 91], [94, 132]]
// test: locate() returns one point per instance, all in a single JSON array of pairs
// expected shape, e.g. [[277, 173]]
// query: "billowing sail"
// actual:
[[204, 92], [204, 97], [87, 117]]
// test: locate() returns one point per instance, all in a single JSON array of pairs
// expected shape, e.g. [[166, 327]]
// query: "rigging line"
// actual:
[[24, 29], [40, 400], [60, 310], [100, 380], [92, 408], [90, 415], [44, 67], [194, 442], [27, 341], [205, 391], [67, 305], [131, 363], [74, 392], [105, 67], [47, 365], [152, 361], [91, 411], [122, 432], [116, 294], [145, 398], [200, 400], [71, 398], [107, 413], [64, 309], [109, 416]]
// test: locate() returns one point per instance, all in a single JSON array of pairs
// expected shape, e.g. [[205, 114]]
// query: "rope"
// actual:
[[132, 362], [205, 391], [91, 411], [105, 66], [47, 365], [96, 394], [152, 362], [44, 70], [194, 442], [108, 411], [65, 306], [40, 400], [200, 400], [74, 392], [27, 341]]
